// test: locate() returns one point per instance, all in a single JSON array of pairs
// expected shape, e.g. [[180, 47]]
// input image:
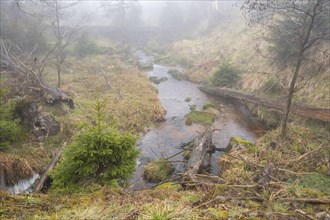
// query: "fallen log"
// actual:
[[313, 112], [201, 146], [39, 185]]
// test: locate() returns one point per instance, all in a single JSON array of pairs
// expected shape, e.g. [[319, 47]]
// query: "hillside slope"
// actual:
[[243, 47]]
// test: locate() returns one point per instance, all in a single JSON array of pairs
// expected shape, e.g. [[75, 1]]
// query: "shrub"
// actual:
[[85, 46], [99, 154], [271, 86], [226, 75], [10, 129]]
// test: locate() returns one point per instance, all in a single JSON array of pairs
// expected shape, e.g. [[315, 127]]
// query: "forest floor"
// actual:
[[271, 179]]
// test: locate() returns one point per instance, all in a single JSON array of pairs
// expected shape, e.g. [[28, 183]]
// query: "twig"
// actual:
[[306, 200], [299, 211], [174, 155], [294, 173], [239, 157], [106, 80], [229, 198], [305, 155]]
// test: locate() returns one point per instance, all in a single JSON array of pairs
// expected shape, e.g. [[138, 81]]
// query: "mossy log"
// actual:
[[202, 145], [313, 112]]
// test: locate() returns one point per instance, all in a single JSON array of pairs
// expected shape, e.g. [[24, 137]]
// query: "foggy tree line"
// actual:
[[37, 32], [34, 33]]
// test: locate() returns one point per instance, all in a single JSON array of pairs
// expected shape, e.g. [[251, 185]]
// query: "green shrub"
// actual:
[[226, 75], [99, 154], [10, 129], [85, 46], [271, 86]]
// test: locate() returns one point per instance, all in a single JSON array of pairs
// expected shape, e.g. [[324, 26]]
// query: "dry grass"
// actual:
[[105, 203], [132, 101], [237, 44]]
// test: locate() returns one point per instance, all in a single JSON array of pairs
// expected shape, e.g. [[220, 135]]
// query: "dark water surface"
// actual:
[[166, 138]]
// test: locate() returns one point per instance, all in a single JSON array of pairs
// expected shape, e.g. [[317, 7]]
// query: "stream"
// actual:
[[166, 138]]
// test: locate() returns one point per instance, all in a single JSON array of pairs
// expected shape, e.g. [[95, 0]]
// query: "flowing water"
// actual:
[[166, 138], [23, 186]]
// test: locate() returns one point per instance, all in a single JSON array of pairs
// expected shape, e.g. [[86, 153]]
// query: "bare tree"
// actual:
[[59, 16], [298, 27], [64, 34], [125, 14]]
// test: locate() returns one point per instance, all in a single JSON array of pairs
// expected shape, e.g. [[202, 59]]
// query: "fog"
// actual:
[[141, 19]]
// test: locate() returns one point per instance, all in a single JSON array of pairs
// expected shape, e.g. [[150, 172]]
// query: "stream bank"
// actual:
[[178, 97]]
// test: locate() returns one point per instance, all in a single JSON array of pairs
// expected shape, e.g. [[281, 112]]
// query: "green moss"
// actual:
[[219, 214], [219, 189], [192, 107], [198, 117], [186, 154], [157, 171], [297, 147], [323, 169], [207, 106], [251, 147], [156, 80], [176, 74], [191, 198], [169, 185], [188, 99], [279, 207]]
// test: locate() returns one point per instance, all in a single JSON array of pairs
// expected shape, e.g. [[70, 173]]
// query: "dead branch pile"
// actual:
[[28, 71], [271, 173]]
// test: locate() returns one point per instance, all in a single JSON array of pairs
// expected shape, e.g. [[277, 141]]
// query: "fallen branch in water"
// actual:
[[50, 167]]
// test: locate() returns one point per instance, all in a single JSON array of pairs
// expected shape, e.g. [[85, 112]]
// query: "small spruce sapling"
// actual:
[[99, 154]]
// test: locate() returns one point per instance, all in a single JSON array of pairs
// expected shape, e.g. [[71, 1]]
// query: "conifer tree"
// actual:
[[99, 154]]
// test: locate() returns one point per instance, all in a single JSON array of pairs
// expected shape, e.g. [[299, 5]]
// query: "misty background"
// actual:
[[129, 21]]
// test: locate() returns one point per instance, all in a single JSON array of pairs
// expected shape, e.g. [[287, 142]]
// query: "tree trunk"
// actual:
[[59, 47], [305, 37], [58, 77], [290, 96], [201, 146]]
